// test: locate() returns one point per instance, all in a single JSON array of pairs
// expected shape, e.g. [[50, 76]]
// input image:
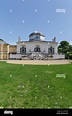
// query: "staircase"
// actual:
[[36, 56]]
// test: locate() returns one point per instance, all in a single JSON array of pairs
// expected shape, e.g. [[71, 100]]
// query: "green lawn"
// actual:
[[35, 86]]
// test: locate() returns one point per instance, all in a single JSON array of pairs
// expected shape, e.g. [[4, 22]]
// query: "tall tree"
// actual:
[[66, 49], [63, 47], [70, 48]]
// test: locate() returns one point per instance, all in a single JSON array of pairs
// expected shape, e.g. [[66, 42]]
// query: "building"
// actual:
[[6, 49], [35, 48]]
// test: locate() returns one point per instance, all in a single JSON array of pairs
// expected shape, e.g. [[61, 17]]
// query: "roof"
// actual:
[[2, 41], [38, 42], [36, 33]]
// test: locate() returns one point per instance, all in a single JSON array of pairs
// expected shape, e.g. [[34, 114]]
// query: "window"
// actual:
[[51, 50], [23, 50]]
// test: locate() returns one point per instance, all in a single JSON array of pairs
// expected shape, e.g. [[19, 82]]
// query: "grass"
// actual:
[[32, 86]]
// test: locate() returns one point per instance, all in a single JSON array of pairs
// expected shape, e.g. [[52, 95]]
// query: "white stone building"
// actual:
[[37, 48]]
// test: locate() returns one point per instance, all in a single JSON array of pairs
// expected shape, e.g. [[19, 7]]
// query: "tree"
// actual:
[[67, 55], [59, 50], [64, 46], [66, 49], [70, 48]]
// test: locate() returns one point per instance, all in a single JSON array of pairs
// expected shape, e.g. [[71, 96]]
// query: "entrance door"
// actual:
[[37, 49]]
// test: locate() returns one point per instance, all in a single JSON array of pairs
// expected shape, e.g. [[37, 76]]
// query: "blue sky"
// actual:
[[22, 17]]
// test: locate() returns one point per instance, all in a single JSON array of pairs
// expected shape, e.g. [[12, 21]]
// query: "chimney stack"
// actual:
[[54, 39], [19, 39]]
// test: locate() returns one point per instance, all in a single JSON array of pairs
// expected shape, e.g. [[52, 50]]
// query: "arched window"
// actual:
[[37, 48], [23, 50], [51, 50]]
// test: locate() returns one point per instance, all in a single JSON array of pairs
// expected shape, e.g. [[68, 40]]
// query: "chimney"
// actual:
[[54, 39], [19, 39]]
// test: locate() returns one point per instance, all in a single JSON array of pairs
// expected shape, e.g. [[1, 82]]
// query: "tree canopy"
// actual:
[[65, 48]]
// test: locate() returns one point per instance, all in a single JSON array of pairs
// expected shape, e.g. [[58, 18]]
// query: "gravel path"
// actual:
[[38, 62]]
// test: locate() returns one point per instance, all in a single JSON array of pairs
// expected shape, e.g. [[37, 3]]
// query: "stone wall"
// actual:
[[5, 50], [12, 48]]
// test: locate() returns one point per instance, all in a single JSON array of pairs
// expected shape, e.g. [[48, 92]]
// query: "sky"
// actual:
[[19, 18]]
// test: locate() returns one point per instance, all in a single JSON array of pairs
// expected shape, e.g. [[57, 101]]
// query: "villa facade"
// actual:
[[36, 48]]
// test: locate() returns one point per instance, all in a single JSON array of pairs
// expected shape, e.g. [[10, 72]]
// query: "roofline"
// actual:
[[37, 41], [4, 43]]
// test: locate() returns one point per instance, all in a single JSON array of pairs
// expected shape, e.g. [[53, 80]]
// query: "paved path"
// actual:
[[38, 62]]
